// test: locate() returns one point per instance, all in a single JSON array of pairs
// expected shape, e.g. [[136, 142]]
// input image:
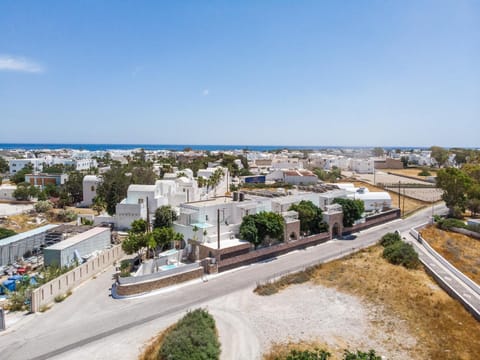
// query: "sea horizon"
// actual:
[[181, 147]]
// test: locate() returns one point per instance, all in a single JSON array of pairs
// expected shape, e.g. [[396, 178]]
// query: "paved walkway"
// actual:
[[450, 279]]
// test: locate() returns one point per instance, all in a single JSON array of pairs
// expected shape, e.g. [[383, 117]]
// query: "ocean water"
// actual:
[[176, 147]]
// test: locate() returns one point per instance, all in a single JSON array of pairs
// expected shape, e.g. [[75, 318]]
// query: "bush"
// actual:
[[66, 215], [317, 354], [194, 337], [360, 355], [59, 298], [400, 253], [16, 301], [389, 239], [4, 233], [43, 206], [447, 224], [424, 172]]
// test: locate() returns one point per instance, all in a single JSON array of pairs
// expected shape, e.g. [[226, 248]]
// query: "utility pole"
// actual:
[[399, 204], [218, 228]]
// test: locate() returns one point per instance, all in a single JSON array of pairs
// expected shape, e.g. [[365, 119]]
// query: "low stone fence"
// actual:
[[141, 284], [272, 251], [46, 293]]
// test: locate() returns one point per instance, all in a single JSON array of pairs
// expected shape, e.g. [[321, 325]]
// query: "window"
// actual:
[[92, 188]]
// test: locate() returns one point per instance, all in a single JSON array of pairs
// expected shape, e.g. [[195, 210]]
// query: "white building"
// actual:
[[90, 185], [294, 177], [6, 192], [18, 164], [363, 166]]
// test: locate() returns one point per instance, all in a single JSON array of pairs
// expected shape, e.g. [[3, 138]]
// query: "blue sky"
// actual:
[[241, 72]]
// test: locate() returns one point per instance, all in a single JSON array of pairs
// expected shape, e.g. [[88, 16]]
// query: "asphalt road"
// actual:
[[91, 315]]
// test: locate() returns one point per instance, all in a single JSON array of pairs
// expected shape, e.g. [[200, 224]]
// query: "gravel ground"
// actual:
[[249, 324]]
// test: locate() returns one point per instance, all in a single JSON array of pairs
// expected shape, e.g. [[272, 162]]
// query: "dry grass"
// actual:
[[460, 250], [21, 222], [154, 344], [413, 172], [410, 205], [279, 351], [442, 327]]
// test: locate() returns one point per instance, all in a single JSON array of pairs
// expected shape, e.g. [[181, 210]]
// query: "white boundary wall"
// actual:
[[46, 293]]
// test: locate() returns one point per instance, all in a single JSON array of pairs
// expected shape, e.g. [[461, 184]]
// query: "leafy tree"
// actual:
[[57, 169], [19, 176], [164, 217], [138, 226], [113, 188], [455, 184], [4, 233], [74, 186], [310, 216], [268, 225], [249, 232], [134, 243], [390, 238], [24, 191], [352, 210], [165, 236], [329, 176], [3, 165], [474, 206], [440, 155], [51, 190], [400, 253], [378, 152], [143, 175]]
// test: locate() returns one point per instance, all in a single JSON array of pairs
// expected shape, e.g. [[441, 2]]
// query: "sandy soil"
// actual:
[[250, 324]]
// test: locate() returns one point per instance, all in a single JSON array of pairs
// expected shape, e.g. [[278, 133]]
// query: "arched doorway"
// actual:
[[336, 230]]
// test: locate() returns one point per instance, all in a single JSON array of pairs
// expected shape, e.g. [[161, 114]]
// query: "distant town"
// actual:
[[161, 223]]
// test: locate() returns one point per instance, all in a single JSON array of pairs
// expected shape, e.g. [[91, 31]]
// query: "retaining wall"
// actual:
[[272, 251], [150, 285], [46, 293]]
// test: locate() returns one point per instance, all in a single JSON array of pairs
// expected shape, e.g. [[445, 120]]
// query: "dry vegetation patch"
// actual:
[[460, 250], [442, 327], [412, 172], [154, 344]]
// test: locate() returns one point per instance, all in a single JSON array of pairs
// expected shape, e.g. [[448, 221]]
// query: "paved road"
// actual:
[[90, 315]]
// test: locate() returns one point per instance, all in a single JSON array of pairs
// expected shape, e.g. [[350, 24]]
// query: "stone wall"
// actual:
[[374, 220], [272, 251], [146, 286]]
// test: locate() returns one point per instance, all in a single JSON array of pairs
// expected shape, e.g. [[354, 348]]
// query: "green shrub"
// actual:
[[4, 233], [447, 224], [43, 206], [317, 354], [389, 239], [360, 355], [424, 172], [400, 253], [194, 337]]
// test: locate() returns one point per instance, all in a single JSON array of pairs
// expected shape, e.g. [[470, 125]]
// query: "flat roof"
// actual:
[[215, 201], [77, 238], [225, 243], [26, 234]]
